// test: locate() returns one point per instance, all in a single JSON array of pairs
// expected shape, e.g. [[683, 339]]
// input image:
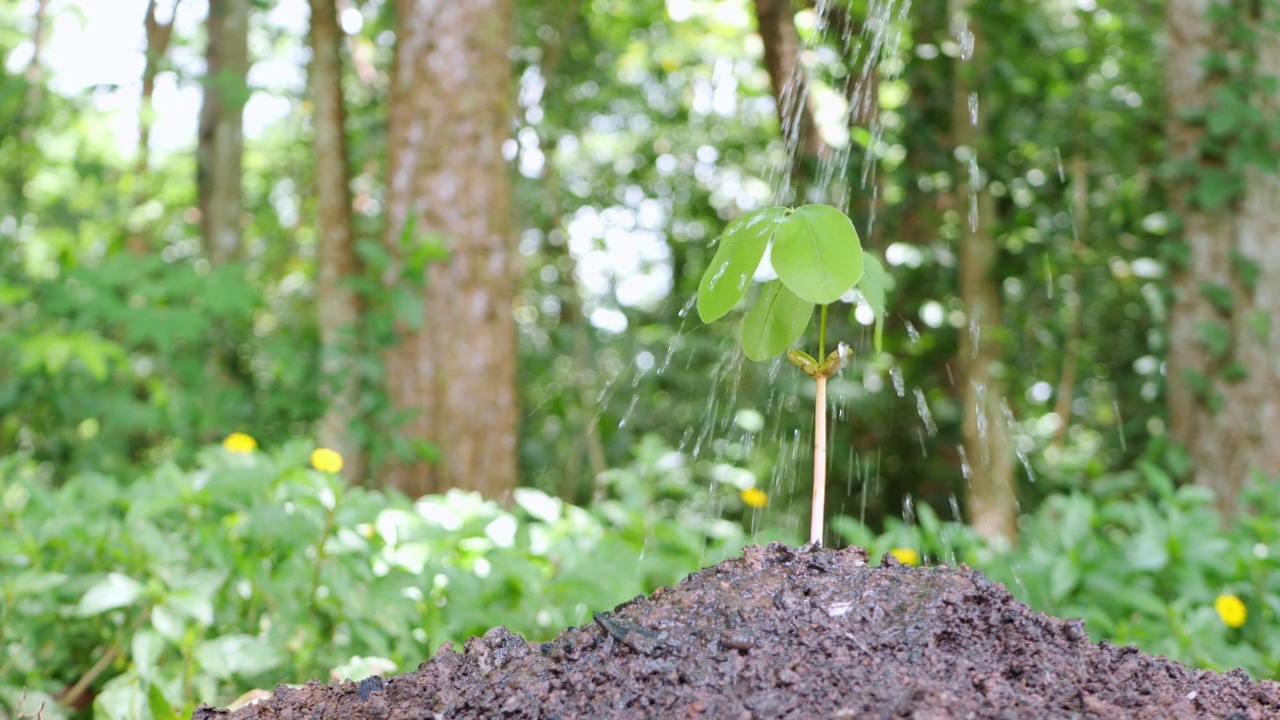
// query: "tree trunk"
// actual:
[[990, 490], [221, 134], [1224, 381], [790, 82], [338, 305], [158, 35], [452, 103], [33, 100]]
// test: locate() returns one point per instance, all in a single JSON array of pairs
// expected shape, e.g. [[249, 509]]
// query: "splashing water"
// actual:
[[1115, 405], [631, 408], [1026, 463], [922, 407], [899, 386], [965, 468], [975, 334], [965, 36]]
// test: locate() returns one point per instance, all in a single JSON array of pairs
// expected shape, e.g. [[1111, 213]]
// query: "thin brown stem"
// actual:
[[819, 460]]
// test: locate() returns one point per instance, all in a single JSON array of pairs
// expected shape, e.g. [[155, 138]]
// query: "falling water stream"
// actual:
[[879, 38]]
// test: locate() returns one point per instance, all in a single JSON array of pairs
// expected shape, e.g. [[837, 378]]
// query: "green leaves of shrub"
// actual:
[[817, 257]]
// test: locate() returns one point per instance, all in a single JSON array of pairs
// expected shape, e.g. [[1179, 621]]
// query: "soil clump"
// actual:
[[796, 633]]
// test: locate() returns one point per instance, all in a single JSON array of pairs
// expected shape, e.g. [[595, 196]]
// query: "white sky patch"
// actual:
[[96, 44], [621, 252]]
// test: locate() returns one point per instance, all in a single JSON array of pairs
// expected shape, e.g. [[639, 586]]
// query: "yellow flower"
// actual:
[[906, 556], [754, 497], [1231, 609], [326, 460], [238, 442]]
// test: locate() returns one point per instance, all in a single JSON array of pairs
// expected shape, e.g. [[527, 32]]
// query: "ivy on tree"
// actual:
[[818, 258]]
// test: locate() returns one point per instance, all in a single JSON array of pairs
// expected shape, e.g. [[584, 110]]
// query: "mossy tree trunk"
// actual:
[[989, 481], [221, 133], [1223, 107], [452, 104], [338, 305]]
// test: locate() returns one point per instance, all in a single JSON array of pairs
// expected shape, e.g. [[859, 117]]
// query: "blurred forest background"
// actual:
[[458, 243]]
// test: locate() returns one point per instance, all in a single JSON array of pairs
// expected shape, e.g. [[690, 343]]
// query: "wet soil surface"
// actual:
[[787, 633]]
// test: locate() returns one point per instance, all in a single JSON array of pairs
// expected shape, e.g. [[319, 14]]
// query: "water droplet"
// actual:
[[981, 421], [922, 407], [966, 39], [631, 408], [973, 108], [1026, 463], [1115, 405], [711, 284], [1008, 413], [974, 178], [899, 386], [965, 468], [912, 332]]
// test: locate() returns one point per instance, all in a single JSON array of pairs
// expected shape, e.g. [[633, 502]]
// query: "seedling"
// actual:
[[818, 258]]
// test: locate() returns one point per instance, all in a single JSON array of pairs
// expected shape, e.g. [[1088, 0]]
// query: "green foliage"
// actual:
[[134, 355], [248, 570], [1142, 565]]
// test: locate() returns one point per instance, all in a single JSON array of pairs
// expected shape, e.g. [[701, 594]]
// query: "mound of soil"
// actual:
[[786, 633]]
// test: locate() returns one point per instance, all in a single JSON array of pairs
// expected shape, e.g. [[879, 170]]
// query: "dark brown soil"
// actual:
[[786, 633]]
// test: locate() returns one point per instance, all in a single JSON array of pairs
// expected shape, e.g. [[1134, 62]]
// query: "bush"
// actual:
[[1145, 564], [253, 568], [189, 586]]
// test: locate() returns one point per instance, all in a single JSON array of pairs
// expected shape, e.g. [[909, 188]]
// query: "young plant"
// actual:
[[817, 258]]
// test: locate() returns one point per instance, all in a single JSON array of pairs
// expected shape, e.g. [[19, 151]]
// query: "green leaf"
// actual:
[[741, 248], [816, 254], [1147, 551], [1260, 323], [159, 704], [1246, 269], [776, 321], [11, 295], [1218, 295], [144, 651], [114, 591], [1216, 188], [1064, 575], [34, 582], [237, 654], [1216, 337], [1235, 371], [874, 285]]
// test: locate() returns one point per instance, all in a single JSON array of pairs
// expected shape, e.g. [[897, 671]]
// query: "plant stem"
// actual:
[[819, 454], [822, 335]]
